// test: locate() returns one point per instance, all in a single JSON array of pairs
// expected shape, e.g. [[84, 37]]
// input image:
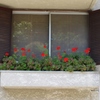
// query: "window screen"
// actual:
[[69, 31], [30, 31]]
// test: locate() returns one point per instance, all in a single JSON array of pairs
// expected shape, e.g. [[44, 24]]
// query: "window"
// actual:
[[69, 31], [30, 31], [33, 30]]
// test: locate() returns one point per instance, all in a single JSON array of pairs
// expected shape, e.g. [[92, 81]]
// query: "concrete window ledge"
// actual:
[[49, 79]]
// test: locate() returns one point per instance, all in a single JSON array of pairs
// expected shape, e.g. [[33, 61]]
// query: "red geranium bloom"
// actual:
[[58, 48], [6, 54], [45, 46], [15, 50], [74, 49], [33, 55], [87, 50], [23, 54], [28, 50], [65, 59], [23, 49], [43, 54]]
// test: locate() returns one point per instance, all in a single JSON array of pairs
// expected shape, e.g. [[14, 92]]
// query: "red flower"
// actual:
[[6, 54], [45, 46], [87, 50], [28, 50], [65, 59], [58, 48], [23, 54], [74, 49], [23, 49], [15, 50], [33, 55], [43, 54]]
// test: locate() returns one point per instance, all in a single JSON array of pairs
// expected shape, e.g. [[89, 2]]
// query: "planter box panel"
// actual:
[[49, 79]]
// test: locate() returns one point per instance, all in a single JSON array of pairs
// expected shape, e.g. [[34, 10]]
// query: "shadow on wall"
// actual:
[[46, 94]]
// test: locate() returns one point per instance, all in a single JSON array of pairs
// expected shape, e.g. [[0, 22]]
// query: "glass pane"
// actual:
[[30, 31], [69, 31]]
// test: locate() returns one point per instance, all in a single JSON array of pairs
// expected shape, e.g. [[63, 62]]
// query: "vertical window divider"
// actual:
[[49, 34]]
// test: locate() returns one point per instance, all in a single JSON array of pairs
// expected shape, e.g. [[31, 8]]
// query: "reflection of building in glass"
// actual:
[[31, 31]]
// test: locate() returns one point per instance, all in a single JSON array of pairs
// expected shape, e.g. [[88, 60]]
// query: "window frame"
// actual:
[[49, 13]]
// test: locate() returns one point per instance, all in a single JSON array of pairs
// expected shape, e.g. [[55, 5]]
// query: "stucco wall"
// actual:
[[97, 5], [48, 94]]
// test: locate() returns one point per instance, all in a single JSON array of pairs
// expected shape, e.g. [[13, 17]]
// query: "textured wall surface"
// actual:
[[49, 4], [47, 94], [94, 35], [97, 5], [5, 30]]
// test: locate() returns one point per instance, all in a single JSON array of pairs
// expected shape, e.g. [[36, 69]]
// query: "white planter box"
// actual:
[[49, 79]]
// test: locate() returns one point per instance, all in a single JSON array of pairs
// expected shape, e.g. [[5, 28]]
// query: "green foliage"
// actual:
[[63, 62]]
